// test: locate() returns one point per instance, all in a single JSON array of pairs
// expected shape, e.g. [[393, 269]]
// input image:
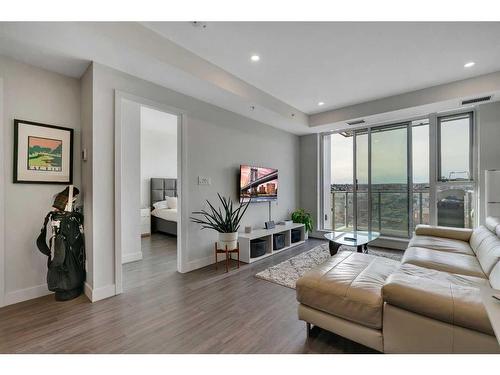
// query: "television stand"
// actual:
[[267, 235]]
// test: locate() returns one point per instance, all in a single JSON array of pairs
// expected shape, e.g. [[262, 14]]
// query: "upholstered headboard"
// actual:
[[161, 188]]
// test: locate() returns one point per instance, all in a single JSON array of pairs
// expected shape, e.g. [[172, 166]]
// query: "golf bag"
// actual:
[[65, 253]]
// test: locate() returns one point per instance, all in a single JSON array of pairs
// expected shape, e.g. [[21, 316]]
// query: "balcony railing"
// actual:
[[389, 212]]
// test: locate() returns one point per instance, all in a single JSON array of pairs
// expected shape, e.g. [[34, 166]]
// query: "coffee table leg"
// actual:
[[359, 248], [365, 247], [334, 247]]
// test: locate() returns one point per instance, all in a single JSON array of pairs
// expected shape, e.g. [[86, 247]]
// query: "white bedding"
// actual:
[[169, 214]]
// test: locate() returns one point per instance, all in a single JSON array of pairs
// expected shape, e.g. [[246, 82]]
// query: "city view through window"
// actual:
[[389, 211]]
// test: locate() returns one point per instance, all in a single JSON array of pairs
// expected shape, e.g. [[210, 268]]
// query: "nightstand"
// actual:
[[145, 222]]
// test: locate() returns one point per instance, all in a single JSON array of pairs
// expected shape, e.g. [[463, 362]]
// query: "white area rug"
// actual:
[[288, 272]]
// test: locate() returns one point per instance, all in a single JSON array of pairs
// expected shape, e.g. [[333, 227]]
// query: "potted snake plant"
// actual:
[[225, 221]]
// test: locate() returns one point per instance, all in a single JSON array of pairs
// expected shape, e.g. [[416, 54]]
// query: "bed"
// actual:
[[163, 219]]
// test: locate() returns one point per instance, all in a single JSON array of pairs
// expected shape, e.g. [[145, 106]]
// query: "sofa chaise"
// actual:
[[429, 302]]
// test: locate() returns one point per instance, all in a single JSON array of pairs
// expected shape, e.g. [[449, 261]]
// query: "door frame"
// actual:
[[2, 198], [181, 173]]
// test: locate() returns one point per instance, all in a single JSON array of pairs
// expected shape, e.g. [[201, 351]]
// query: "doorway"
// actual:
[[148, 207]]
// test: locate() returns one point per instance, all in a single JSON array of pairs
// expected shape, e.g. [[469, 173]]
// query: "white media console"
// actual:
[[267, 234]]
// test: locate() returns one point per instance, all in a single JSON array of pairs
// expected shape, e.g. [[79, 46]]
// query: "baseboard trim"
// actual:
[[133, 257], [198, 263], [87, 290], [98, 294], [22, 295]]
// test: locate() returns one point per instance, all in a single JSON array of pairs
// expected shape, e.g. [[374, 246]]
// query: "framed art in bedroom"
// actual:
[[43, 154]]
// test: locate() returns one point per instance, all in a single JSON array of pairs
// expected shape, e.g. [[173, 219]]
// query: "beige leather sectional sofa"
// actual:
[[428, 303]]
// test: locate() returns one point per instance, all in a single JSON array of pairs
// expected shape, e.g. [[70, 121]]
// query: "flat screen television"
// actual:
[[258, 183]]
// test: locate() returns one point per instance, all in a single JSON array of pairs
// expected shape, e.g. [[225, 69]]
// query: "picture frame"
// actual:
[[43, 154]]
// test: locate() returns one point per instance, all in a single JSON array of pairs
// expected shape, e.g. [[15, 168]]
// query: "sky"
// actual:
[[44, 142], [389, 164]]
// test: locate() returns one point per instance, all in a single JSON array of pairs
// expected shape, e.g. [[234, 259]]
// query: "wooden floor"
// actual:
[[163, 311]]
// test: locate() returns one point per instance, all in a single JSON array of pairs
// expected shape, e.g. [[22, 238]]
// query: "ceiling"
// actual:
[[341, 63], [380, 72]]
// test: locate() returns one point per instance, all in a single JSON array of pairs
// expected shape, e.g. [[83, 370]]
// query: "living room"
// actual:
[[325, 202]]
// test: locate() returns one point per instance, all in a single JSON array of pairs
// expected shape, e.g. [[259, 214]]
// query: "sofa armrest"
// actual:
[[462, 234], [450, 303]]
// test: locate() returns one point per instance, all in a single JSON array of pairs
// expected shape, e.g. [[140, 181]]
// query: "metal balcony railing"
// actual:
[[390, 214]]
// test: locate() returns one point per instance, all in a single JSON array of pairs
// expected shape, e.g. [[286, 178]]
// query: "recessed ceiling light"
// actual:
[[321, 103], [469, 64], [255, 58]]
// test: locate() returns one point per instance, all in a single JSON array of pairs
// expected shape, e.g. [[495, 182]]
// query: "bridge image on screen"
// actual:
[[260, 184]]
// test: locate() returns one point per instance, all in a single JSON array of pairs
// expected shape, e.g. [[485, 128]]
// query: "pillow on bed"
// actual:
[[160, 204], [172, 202]]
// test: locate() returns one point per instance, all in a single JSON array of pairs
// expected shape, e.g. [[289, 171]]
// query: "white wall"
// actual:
[[309, 177], [216, 142], [489, 147], [158, 149], [131, 161], [38, 95]]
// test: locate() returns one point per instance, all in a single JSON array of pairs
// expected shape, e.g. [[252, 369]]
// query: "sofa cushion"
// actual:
[[478, 236], [495, 276], [439, 295], [348, 286], [441, 244], [492, 223], [442, 261], [461, 234], [486, 246]]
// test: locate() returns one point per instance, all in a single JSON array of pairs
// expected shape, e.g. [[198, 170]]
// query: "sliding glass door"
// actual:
[[362, 181], [339, 197], [389, 180], [367, 179]]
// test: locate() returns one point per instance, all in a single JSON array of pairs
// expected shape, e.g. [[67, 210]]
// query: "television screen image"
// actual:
[[259, 184]]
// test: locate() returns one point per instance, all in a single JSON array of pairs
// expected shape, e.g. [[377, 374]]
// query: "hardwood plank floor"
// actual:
[[163, 311]]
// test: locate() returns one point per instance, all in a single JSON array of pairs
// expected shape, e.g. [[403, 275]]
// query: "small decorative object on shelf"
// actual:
[[226, 222], [270, 224], [248, 229]]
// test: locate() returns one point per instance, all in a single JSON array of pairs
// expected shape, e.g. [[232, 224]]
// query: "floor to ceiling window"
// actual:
[[455, 185], [389, 180], [340, 196], [420, 172], [380, 178]]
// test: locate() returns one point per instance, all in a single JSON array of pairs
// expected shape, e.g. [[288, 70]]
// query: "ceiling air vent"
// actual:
[[476, 100], [356, 122]]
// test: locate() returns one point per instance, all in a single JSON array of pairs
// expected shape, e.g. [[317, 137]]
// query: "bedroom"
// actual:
[[158, 194]]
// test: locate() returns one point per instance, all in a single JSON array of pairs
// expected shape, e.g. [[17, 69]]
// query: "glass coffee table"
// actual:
[[360, 239]]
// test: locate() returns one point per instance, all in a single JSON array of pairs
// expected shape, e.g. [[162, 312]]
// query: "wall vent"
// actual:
[[476, 100], [356, 122]]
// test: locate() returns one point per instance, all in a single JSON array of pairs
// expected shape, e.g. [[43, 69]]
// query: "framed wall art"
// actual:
[[43, 154]]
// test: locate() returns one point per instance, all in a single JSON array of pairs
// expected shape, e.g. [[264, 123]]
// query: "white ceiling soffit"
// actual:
[[134, 49], [342, 63], [416, 103]]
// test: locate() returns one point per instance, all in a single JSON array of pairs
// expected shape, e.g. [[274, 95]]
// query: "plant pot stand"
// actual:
[[228, 255]]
